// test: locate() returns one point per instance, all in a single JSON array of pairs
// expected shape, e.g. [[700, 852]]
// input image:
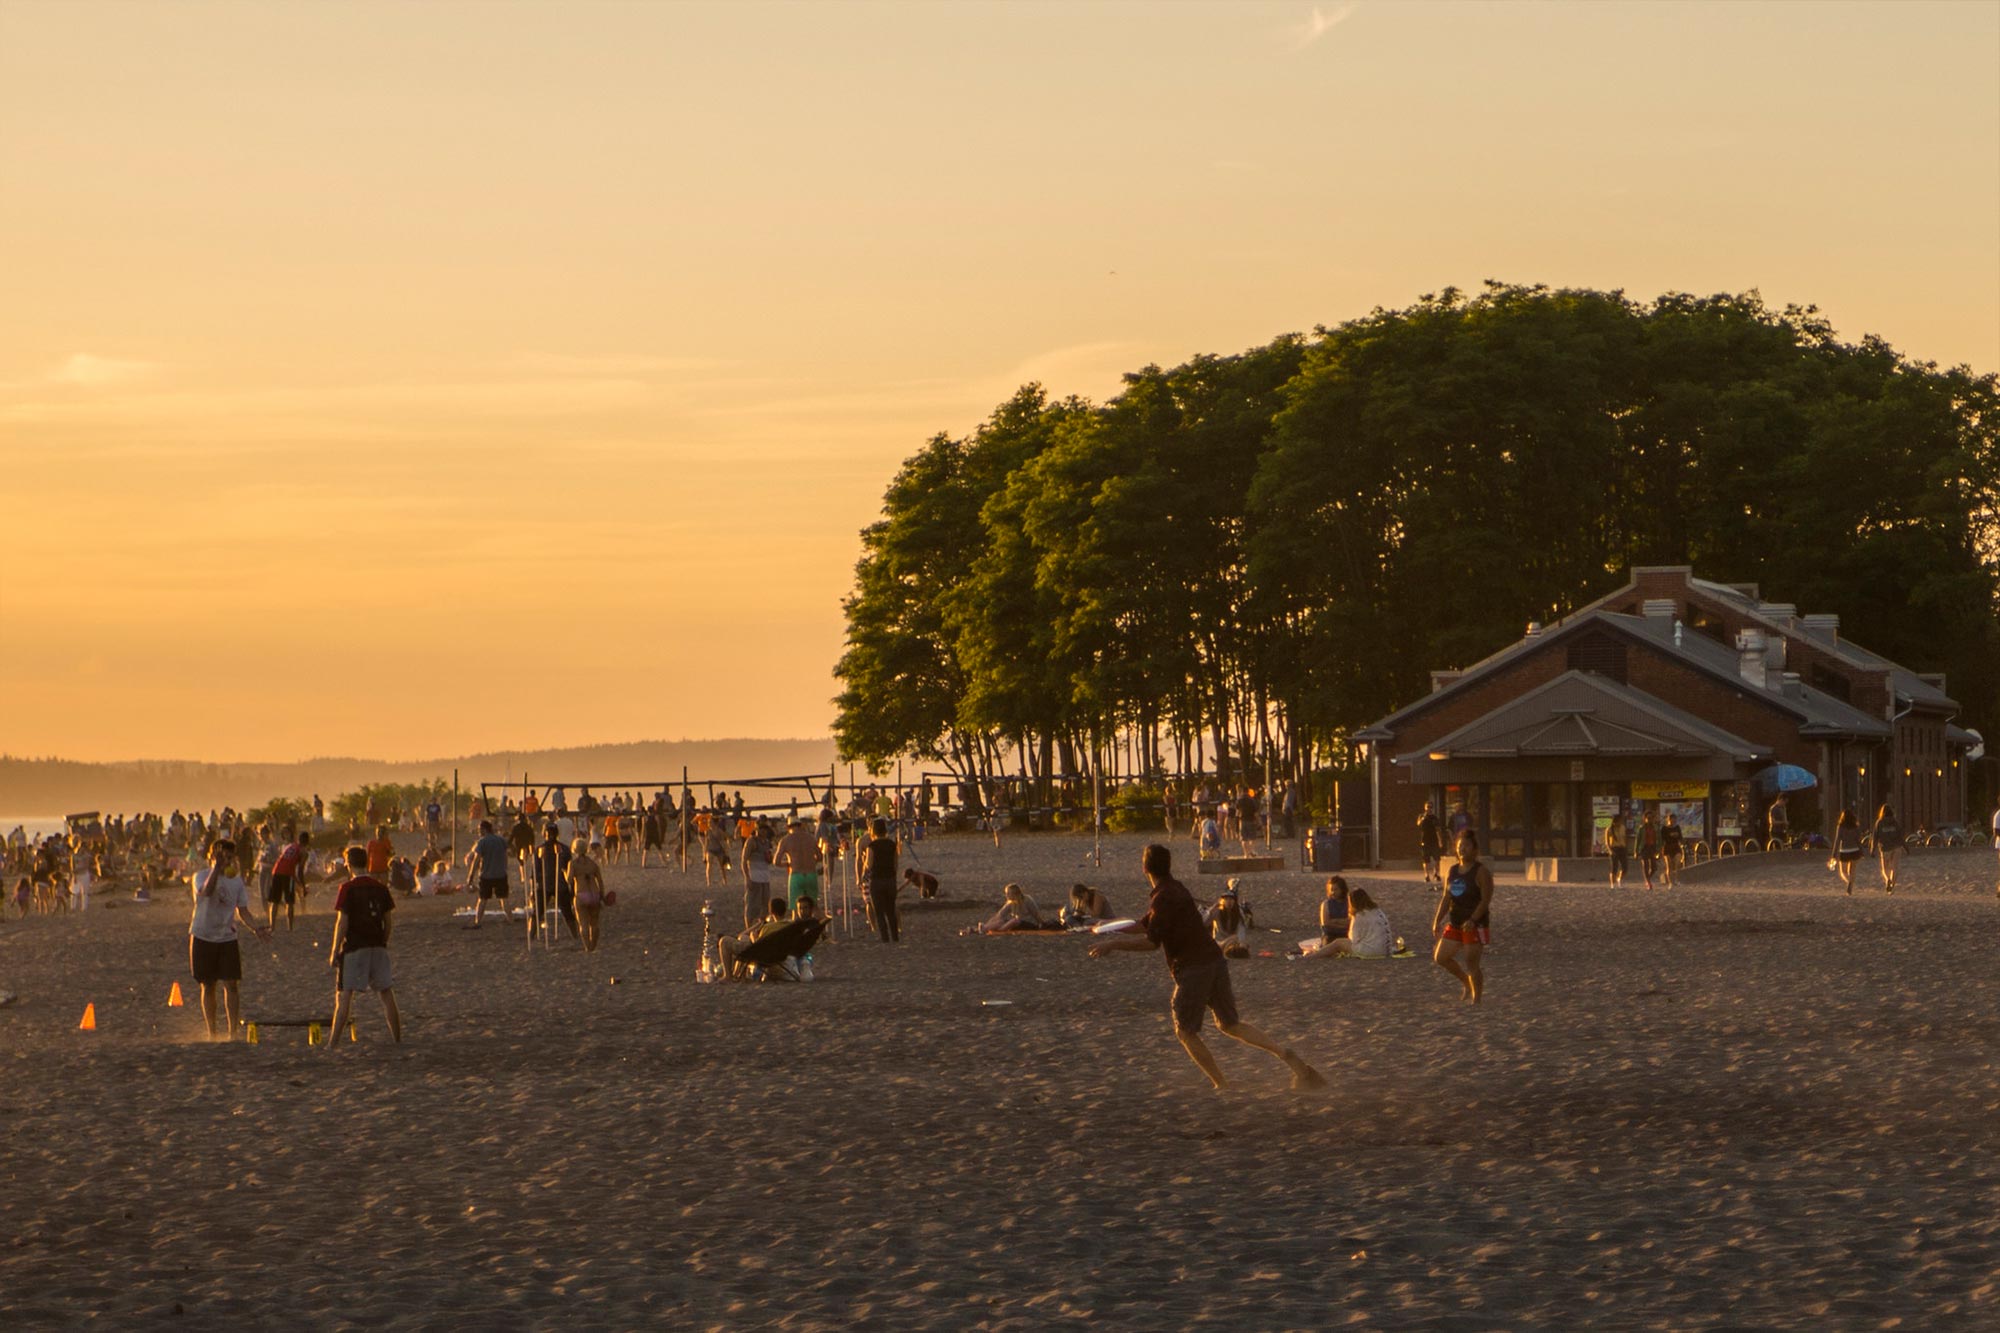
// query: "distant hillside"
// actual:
[[59, 786]]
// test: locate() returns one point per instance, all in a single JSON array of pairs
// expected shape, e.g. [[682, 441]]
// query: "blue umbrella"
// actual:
[[1786, 777]]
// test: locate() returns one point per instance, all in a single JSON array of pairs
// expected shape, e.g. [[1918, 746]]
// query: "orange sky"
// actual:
[[405, 380]]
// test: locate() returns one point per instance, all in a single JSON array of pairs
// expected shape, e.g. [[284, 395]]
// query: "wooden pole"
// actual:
[[684, 819], [1096, 807], [454, 818], [1268, 809]]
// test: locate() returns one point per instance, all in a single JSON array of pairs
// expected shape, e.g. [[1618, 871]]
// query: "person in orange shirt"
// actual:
[[614, 837], [380, 849]]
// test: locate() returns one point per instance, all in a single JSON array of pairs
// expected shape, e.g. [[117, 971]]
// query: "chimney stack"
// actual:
[[1824, 627], [1750, 657]]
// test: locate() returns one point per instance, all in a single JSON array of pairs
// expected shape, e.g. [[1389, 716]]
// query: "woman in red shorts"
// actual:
[[1463, 923]]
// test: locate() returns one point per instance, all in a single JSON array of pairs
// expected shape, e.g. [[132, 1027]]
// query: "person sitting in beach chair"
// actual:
[[785, 954], [727, 948], [1017, 912], [1369, 934], [1230, 922]]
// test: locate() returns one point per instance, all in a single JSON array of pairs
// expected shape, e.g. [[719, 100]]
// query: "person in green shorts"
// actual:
[[798, 853]]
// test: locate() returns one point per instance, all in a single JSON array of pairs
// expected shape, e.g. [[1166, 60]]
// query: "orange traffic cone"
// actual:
[[174, 1000], [89, 1023]]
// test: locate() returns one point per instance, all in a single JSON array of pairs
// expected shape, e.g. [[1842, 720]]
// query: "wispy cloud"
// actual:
[[1318, 24], [96, 371]]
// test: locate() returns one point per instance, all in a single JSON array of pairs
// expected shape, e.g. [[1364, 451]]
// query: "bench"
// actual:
[[1239, 865]]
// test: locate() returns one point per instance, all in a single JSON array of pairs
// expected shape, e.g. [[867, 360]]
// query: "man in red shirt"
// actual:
[[1201, 974], [380, 850], [288, 880]]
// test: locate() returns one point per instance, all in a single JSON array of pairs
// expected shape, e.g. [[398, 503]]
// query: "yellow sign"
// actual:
[[1669, 791]]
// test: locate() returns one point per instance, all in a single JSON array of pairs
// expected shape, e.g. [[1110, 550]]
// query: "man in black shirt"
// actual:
[[552, 887], [360, 955], [1201, 974]]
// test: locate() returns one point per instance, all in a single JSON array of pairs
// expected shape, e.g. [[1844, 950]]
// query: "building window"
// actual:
[[1600, 655]]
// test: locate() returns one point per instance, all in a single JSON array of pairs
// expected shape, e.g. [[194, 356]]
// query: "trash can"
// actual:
[[1323, 849], [1354, 847]]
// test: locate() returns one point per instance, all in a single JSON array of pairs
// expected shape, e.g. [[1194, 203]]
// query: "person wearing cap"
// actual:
[[1229, 921], [1173, 925]]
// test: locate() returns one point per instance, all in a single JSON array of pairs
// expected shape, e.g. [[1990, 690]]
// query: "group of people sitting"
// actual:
[[1350, 925], [778, 948], [1350, 922]]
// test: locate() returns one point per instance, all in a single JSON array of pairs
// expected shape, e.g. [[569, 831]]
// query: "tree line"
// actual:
[[1245, 558]]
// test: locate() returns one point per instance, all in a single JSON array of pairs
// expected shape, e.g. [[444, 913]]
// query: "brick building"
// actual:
[[1672, 693]]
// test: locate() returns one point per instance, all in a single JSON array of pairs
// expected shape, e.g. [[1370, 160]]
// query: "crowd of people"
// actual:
[[245, 877]]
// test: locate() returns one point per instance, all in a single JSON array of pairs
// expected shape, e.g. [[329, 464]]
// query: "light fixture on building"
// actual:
[[1861, 771], [1906, 772]]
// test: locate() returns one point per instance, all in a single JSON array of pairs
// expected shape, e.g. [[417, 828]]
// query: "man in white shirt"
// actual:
[[220, 901]]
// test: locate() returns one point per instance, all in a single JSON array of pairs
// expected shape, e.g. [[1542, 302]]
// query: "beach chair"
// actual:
[[773, 958]]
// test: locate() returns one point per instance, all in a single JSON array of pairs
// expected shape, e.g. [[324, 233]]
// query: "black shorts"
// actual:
[[493, 888], [211, 962], [281, 890], [1199, 988]]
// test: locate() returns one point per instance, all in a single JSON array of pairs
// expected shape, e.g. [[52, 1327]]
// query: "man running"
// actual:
[[1467, 903], [1201, 974]]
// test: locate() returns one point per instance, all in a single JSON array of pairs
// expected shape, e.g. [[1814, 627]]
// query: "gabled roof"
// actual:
[[1908, 685], [1819, 713], [1580, 714]]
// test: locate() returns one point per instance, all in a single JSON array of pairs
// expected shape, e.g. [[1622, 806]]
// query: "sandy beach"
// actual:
[[1749, 1103]]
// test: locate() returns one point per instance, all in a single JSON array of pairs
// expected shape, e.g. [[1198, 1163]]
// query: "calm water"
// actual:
[[38, 826]]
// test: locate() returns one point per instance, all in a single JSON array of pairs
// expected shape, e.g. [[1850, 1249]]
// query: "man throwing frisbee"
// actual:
[[1201, 974]]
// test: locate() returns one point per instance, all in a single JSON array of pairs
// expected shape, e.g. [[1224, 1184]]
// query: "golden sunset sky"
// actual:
[[404, 380]]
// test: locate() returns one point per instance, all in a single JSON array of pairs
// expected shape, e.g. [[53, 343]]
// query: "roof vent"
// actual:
[[1824, 627], [1534, 629], [1780, 611], [1794, 687], [1659, 608]]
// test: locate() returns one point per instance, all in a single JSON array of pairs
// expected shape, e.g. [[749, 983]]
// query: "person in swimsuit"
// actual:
[[1463, 923], [798, 853], [586, 877]]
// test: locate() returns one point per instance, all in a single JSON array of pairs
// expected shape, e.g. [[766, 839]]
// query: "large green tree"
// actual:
[[1305, 529]]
